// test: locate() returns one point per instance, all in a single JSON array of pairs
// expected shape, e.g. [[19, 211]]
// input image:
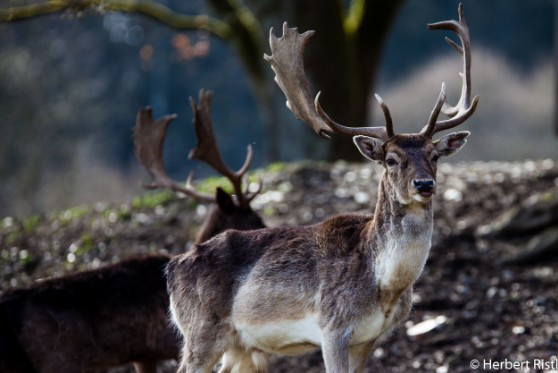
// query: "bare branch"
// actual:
[[147, 8]]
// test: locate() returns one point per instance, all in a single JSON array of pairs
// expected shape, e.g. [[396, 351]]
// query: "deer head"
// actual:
[[409, 160], [227, 211]]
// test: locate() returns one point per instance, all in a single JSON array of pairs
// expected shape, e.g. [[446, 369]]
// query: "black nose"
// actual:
[[424, 185]]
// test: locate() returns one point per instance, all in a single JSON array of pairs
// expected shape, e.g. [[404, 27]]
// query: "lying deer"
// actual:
[[117, 314], [338, 285]]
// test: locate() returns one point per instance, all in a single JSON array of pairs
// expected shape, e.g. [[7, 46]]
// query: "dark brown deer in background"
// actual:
[[338, 285], [118, 314], [226, 212]]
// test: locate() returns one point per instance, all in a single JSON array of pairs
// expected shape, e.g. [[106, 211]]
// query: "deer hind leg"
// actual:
[[205, 340], [201, 359]]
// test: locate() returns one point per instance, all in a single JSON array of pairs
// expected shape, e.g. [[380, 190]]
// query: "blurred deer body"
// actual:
[[116, 314], [94, 319], [338, 285]]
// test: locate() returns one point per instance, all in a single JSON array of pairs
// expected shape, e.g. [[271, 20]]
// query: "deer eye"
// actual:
[[391, 162], [435, 158]]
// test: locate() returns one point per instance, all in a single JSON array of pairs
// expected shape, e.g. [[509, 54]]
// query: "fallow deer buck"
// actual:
[[118, 314], [338, 285]]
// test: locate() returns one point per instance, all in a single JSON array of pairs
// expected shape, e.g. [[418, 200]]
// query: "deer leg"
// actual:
[[335, 350], [358, 356], [193, 364], [204, 343], [200, 359]]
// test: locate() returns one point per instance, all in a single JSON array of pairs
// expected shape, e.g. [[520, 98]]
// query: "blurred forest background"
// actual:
[[72, 82]]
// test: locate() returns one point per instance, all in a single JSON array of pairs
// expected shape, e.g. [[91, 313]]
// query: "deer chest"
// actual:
[[400, 261]]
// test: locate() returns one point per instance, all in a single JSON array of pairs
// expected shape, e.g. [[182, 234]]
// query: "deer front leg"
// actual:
[[335, 350], [358, 355]]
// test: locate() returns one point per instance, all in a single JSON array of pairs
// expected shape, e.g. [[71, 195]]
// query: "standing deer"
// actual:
[[118, 314], [338, 285]]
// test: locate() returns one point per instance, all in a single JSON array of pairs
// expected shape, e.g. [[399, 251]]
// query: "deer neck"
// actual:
[[400, 236]]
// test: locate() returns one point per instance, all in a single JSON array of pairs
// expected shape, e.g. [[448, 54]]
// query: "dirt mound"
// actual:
[[478, 298]]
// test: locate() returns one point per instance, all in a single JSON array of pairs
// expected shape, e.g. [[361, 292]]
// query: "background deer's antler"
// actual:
[[465, 107], [207, 150], [149, 136]]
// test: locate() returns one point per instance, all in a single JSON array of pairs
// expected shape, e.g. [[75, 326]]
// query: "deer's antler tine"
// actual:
[[428, 130], [251, 195], [247, 162], [465, 107], [458, 119], [288, 65], [387, 116], [195, 193], [454, 45], [376, 132], [207, 150]]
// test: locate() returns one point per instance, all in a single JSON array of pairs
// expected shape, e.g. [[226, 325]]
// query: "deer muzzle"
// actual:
[[425, 187]]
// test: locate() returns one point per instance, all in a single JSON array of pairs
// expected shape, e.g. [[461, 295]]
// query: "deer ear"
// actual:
[[224, 201], [452, 143], [370, 147]]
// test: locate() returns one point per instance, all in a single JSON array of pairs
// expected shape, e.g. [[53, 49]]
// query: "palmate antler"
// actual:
[[149, 136], [206, 149], [287, 63]]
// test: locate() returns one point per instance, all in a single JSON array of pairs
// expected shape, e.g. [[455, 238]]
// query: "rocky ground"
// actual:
[[488, 291]]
